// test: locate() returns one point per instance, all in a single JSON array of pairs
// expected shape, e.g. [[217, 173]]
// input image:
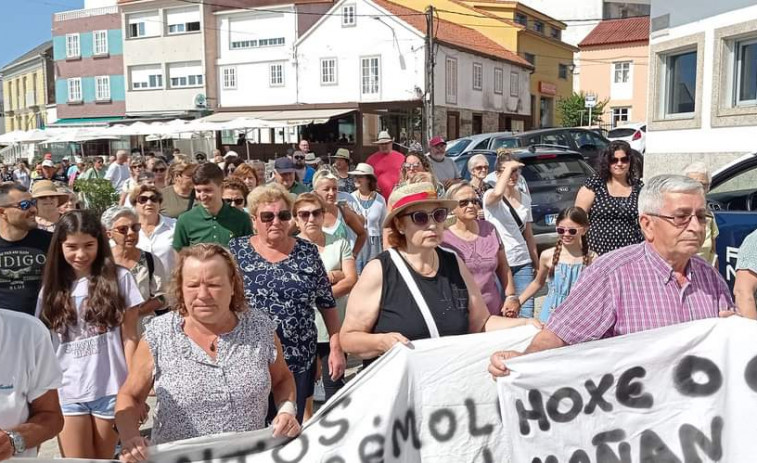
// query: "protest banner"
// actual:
[[684, 393]]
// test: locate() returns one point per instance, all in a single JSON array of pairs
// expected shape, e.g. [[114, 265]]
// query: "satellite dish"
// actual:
[[201, 101]]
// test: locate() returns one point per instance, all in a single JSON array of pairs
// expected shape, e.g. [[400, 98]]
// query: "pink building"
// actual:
[[615, 65]]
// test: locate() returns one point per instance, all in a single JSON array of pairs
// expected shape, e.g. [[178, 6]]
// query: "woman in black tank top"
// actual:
[[382, 309]]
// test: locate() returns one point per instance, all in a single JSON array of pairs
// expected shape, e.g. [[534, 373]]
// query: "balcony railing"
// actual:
[[78, 14]]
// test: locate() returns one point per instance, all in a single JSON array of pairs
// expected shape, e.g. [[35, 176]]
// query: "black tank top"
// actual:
[[445, 294]]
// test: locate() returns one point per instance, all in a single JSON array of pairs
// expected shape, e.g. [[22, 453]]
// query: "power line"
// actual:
[[266, 10]]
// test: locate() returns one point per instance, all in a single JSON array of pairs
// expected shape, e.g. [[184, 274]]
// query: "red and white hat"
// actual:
[[414, 194]]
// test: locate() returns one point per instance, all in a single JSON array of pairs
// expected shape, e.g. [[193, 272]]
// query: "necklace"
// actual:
[[425, 274]]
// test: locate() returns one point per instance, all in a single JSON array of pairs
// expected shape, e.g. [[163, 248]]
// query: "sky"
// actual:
[[24, 24]]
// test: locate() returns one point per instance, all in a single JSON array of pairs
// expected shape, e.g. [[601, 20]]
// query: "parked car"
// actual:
[[481, 141], [587, 142], [634, 134], [553, 176]]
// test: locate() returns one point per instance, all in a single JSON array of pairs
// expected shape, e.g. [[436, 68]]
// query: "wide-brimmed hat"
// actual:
[[310, 158], [414, 194], [230, 154], [383, 137], [46, 188], [341, 153], [363, 169]]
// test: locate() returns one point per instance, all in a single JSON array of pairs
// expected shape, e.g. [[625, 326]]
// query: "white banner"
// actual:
[[685, 393]]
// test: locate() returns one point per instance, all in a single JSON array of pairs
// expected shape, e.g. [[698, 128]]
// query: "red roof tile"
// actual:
[[455, 35], [617, 31]]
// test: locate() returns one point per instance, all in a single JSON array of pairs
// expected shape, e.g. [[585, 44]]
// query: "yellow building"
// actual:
[[533, 35], [28, 89]]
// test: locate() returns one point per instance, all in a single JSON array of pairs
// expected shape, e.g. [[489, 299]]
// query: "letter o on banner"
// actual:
[[750, 374], [436, 418], [553, 404], [683, 377]]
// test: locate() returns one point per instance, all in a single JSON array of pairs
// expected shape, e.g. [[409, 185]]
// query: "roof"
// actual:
[[618, 31], [39, 49], [454, 35]]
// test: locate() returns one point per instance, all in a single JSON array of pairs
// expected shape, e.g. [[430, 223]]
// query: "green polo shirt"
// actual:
[[198, 226], [298, 188]]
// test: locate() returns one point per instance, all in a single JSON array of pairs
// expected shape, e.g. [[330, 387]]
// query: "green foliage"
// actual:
[[96, 194], [569, 111]]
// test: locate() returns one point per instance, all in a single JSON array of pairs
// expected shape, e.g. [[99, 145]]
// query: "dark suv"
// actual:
[[587, 142], [553, 176]]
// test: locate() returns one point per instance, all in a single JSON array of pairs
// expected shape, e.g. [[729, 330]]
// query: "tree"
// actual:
[[96, 194], [573, 112]]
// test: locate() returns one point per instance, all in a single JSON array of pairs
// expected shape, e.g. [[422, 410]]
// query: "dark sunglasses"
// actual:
[[570, 231], [24, 205], [299, 158], [145, 199], [305, 215], [466, 202], [623, 160], [421, 218], [124, 229], [140, 166], [159, 169], [268, 216], [235, 201]]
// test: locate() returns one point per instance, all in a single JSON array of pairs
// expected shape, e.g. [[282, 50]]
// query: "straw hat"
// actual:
[[341, 153], [46, 188], [383, 137], [414, 194], [363, 169], [311, 159]]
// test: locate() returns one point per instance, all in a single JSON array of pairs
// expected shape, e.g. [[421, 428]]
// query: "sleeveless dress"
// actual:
[[558, 287], [614, 219]]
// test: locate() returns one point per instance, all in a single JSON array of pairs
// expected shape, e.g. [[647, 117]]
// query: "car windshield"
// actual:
[[621, 133], [509, 142], [456, 147], [540, 170]]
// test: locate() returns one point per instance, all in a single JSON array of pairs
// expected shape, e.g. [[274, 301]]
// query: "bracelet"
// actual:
[[288, 407]]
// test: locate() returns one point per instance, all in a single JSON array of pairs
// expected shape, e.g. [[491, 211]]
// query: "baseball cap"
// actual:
[[437, 140], [283, 165], [47, 163]]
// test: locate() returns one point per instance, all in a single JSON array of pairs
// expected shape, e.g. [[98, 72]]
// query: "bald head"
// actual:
[[122, 156]]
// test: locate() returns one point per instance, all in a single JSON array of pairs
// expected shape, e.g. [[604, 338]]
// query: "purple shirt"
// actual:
[[480, 256], [633, 289]]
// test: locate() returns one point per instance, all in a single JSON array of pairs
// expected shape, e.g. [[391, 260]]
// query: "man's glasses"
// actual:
[[268, 216], [683, 220], [466, 202], [623, 160], [305, 215], [570, 231], [299, 158], [24, 205], [234, 201], [145, 199], [422, 218], [411, 166], [124, 229]]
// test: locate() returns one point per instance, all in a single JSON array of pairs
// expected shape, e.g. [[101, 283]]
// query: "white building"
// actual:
[[703, 83]]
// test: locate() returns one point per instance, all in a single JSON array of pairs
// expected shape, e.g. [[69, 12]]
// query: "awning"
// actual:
[[85, 122], [292, 117]]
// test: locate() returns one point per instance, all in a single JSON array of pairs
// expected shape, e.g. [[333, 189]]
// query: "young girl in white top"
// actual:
[[90, 305]]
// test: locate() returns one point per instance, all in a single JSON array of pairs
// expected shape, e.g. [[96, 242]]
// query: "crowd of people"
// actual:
[[230, 294]]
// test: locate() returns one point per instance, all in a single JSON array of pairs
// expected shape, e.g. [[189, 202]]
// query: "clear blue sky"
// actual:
[[24, 24]]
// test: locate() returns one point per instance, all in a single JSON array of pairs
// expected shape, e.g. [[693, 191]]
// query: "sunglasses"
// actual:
[[623, 160], [146, 199], [24, 205], [299, 158], [268, 216], [124, 229], [159, 170], [480, 168], [408, 166], [138, 166], [235, 201], [466, 202], [421, 218], [570, 231], [305, 215]]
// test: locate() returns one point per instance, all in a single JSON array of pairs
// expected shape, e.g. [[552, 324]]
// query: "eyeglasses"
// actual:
[[421, 218], [145, 199], [268, 216], [299, 158], [569, 231], [305, 215], [623, 160], [138, 166], [683, 220], [124, 229], [480, 168], [409, 166], [159, 170], [24, 205], [466, 202], [235, 201]]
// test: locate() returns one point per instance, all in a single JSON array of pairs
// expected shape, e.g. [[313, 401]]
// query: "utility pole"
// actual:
[[429, 96]]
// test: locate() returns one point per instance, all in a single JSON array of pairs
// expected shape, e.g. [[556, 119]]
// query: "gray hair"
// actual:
[[476, 158], [112, 214], [455, 188], [698, 168], [653, 194]]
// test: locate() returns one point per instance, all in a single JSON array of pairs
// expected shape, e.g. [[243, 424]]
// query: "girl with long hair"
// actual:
[[90, 305], [560, 267]]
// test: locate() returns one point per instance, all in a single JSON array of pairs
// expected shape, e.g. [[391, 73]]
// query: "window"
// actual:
[[183, 75], [531, 58], [146, 77], [478, 76], [620, 115], [271, 42], [145, 24], [621, 72], [521, 19], [680, 82], [328, 71], [539, 27], [499, 81], [276, 75], [102, 88], [74, 90], [451, 80], [100, 42], [586, 139], [348, 16], [555, 33], [562, 71], [370, 75], [514, 84], [183, 20], [229, 78], [72, 46], [745, 90]]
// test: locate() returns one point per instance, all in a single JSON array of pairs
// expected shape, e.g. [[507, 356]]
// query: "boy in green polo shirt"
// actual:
[[214, 221]]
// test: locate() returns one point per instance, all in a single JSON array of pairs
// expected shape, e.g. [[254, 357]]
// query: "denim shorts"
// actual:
[[104, 408]]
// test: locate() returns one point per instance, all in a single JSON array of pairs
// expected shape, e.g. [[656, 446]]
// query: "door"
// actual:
[[477, 123], [453, 125], [545, 112]]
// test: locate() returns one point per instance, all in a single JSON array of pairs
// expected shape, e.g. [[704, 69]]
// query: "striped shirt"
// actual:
[[633, 289]]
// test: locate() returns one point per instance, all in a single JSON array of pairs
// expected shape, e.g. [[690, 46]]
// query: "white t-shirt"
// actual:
[[160, 243], [117, 174], [93, 363], [512, 238], [28, 368], [374, 215]]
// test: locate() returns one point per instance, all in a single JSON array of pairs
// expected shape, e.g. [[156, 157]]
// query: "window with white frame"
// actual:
[[229, 78], [499, 81], [621, 72], [514, 84], [182, 20], [74, 90], [348, 16], [102, 88], [144, 24], [450, 72], [73, 50], [370, 75], [257, 43], [478, 76], [276, 75], [745, 72], [328, 71], [148, 77], [680, 83], [184, 75], [100, 42], [620, 115]]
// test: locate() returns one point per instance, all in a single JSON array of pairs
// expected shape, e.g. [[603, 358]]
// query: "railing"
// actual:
[[77, 14]]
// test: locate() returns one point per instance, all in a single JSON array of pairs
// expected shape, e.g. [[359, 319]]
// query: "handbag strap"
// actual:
[[515, 215], [415, 291]]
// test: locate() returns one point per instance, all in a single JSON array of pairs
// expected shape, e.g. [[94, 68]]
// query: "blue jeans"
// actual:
[[523, 275]]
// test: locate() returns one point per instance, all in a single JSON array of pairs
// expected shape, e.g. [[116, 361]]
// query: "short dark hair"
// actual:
[[207, 173], [7, 187]]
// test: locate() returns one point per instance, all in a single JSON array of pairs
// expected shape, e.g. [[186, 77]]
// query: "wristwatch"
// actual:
[[17, 442]]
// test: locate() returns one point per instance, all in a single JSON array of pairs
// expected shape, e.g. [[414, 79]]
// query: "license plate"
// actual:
[[550, 219]]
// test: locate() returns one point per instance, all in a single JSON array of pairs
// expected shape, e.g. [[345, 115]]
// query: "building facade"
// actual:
[[617, 54], [28, 87]]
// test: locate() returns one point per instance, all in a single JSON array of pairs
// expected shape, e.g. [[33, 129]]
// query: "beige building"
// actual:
[[614, 66], [28, 87]]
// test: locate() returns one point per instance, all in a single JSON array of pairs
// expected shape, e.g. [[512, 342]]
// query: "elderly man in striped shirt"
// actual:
[[656, 283]]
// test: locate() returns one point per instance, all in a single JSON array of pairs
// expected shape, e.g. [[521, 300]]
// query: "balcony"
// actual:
[[78, 14]]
